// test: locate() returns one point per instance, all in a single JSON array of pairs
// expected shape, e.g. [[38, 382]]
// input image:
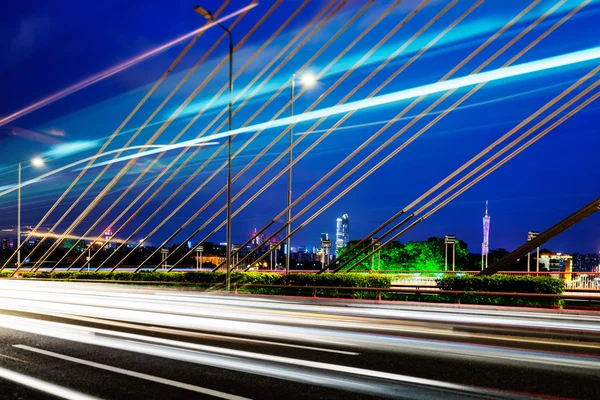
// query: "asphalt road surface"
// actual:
[[87, 341]]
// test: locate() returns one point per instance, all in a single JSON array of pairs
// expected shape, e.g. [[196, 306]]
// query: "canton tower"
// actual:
[[485, 246]]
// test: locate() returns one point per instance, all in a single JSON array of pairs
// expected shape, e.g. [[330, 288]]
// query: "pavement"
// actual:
[[76, 340]]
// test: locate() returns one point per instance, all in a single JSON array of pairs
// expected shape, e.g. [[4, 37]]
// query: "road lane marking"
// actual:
[[43, 386], [134, 374]]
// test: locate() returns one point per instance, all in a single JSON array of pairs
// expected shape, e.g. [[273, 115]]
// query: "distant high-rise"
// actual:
[[485, 246], [108, 236], [342, 232]]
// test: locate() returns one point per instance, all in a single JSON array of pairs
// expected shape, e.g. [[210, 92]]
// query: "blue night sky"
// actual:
[[49, 46]]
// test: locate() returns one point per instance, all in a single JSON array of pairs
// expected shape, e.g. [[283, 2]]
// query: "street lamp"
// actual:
[[199, 251], [208, 15], [36, 162], [450, 240], [530, 237], [307, 80], [165, 253]]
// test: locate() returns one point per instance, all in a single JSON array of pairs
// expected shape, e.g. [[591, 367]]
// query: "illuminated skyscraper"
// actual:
[[485, 246], [342, 232], [108, 236]]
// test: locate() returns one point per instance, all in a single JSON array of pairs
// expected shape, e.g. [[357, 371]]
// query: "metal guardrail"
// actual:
[[402, 290], [216, 285]]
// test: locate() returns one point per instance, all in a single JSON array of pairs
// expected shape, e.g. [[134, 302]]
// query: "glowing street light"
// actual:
[[36, 162], [307, 80]]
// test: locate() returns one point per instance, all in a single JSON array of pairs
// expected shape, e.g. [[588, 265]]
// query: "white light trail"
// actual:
[[116, 69], [466, 81], [12, 188], [74, 237]]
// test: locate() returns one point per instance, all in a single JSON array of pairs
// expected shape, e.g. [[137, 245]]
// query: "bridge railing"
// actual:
[[573, 280]]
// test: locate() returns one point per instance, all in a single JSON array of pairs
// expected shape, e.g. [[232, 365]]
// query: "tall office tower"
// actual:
[[108, 236], [485, 246], [342, 232]]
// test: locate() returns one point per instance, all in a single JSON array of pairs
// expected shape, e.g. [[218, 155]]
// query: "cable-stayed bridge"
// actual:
[[184, 175]]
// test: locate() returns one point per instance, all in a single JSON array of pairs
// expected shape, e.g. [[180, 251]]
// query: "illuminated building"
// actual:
[[586, 262], [70, 243], [555, 262], [325, 252], [342, 232], [5, 244], [108, 236]]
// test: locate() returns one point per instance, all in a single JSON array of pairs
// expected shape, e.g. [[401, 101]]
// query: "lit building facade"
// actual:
[[586, 262], [342, 232], [555, 262]]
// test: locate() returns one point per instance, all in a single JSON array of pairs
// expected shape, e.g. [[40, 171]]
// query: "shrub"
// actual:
[[340, 280], [257, 278], [503, 283]]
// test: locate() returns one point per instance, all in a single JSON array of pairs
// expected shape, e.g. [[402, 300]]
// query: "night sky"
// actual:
[[48, 46]]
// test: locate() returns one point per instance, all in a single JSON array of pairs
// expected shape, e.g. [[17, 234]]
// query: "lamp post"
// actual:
[[450, 239], [199, 251], [307, 80], [89, 258], [376, 243], [208, 15], [272, 247], [165, 253], [36, 162], [530, 237]]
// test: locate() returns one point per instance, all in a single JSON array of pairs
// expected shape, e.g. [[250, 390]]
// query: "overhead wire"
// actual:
[[474, 159], [125, 168], [118, 130], [175, 160], [322, 97], [333, 12], [256, 90], [159, 132], [330, 89], [330, 188], [410, 140], [300, 156], [491, 169]]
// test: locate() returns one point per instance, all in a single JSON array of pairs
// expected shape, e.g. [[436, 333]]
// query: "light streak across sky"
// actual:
[[73, 237], [462, 82], [11, 188], [116, 69]]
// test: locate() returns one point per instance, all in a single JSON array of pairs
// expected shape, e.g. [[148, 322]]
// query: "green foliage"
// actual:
[[340, 280], [503, 283], [147, 276], [5, 274], [256, 278], [426, 255]]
